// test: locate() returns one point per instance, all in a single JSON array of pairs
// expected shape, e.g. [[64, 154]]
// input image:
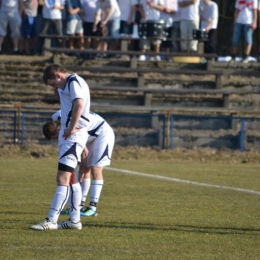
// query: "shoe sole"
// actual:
[[43, 228]]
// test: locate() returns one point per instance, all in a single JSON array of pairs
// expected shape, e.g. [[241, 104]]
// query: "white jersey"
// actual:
[[76, 88], [208, 12], [95, 122]]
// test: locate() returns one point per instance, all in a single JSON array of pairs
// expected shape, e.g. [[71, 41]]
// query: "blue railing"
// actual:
[[167, 131]]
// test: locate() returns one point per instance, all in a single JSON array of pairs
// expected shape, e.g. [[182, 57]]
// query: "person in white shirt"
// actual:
[[88, 17], [127, 8], [189, 22], [75, 103], [151, 11], [209, 23], [168, 12], [175, 34], [108, 15], [52, 19], [245, 22]]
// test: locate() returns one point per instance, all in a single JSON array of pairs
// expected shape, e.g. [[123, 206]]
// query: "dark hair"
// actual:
[[49, 72], [49, 129]]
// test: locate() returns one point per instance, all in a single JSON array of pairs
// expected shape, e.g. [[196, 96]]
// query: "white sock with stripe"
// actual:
[[74, 202], [96, 189], [58, 202]]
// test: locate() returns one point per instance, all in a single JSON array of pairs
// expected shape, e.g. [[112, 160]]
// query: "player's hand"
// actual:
[[69, 132]]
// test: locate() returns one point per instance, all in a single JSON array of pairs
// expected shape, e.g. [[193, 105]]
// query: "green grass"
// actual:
[[139, 217]]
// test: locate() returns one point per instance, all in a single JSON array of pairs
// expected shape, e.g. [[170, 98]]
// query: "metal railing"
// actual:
[[167, 130]]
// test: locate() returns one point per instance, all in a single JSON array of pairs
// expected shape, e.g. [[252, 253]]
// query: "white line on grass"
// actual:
[[182, 181]]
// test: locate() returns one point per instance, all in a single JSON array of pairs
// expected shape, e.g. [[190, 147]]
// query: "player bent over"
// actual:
[[73, 135], [100, 146]]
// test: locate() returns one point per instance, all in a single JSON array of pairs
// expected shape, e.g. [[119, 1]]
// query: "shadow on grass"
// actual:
[[179, 228]]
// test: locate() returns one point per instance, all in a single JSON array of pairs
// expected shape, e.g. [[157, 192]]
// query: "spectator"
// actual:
[[127, 8], [175, 33], [10, 14], [168, 10], [29, 26], [107, 16], [151, 12], [245, 22], [52, 20], [209, 23], [137, 20], [74, 23], [189, 22], [89, 10]]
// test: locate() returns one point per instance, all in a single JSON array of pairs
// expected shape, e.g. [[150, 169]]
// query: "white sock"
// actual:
[[74, 202], [85, 185], [58, 202], [96, 189]]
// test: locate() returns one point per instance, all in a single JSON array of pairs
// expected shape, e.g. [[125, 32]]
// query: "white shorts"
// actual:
[[100, 147], [74, 27], [70, 150]]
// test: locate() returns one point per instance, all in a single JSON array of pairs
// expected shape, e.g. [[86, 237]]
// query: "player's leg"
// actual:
[[69, 154], [100, 153], [59, 200], [85, 185]]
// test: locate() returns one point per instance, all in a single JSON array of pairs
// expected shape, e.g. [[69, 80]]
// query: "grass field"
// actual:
[[140, 217]]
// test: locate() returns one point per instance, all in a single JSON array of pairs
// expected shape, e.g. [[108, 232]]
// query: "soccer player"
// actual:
[[100, 146], [75, 102]]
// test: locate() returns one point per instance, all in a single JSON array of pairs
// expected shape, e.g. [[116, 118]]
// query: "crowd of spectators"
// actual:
[[28, 19]]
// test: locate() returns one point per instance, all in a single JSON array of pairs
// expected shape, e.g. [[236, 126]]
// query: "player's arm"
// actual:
[[75, 116]]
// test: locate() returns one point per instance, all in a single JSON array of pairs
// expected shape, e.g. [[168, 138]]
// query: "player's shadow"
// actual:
[[179, 228]]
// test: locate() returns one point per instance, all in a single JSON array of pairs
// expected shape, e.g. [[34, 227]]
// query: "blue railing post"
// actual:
[[22, 136], [164, 131], [15, 123], [171, 131], [242, 135]]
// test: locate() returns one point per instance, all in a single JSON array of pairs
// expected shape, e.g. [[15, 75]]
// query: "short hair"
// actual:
[[49, 129], [49, 72]]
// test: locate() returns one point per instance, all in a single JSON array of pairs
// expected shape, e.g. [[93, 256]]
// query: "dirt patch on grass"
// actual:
[[133, 153]]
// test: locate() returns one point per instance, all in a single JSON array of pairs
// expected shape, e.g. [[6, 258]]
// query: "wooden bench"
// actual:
[[141, 72], [133, 54], [123, 40], [148, 92]]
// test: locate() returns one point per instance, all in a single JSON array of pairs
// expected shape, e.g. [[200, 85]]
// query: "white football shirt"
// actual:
[[76, 87]]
